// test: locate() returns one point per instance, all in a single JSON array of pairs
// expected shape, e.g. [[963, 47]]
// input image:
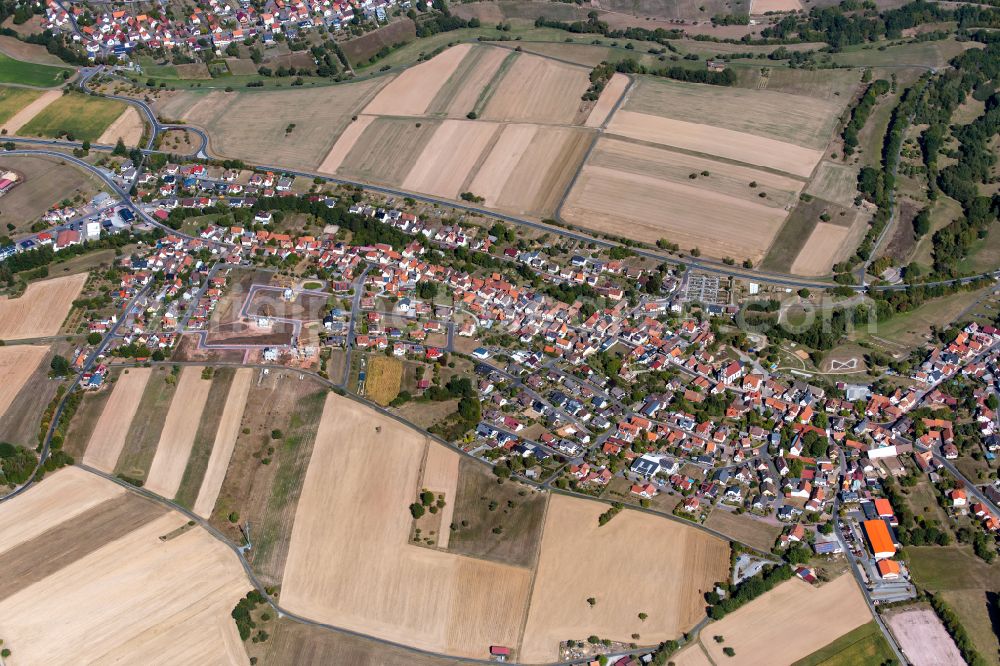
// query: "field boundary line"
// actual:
[[491, 86], [534, 576]]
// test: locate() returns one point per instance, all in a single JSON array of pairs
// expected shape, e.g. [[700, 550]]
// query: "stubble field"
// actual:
[[580, 559], [17, 364], [128, 127], [108, 438], [41, 309], [114, 579], [539, 90], [178, 433]]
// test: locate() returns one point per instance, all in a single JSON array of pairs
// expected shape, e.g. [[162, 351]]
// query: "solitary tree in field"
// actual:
[[592, 601], [643, 616]]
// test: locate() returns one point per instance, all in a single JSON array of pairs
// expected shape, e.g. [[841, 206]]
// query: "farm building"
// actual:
[[877, 533]]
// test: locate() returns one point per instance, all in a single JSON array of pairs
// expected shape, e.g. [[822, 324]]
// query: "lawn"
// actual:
[[80, 117], [864, 646], [31, 74], [13, 100]]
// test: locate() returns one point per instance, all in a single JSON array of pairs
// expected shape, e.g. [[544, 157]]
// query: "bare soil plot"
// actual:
[[177, 437], [26, 113], [537, 89], [716, 141], [345, 142], [647, 209], [446, 162], [764, 6], [796, 119], [459, 94], [46, 182], [724, 178], [410, 93], [36, 53], [545, 170], [252, 125], [41, 309], [137, 599], [349, 563], [269, 461], [387, 150], [59, 498], [744, 528], [612, 92], [225, 442], [820, 252], [68, 541], [922, 637], [17, 364], [363, 48], [637, 563], [440, 476], [128, 127], [835, 182], [789, 622], [108, 439], [518, 510], [295, 643]]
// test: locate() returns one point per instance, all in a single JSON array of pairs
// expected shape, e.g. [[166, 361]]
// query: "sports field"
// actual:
[[82, 117], [41, 309]]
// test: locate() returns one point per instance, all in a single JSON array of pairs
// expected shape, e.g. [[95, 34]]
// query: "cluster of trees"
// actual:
[[244, 622], [595, 26], [600, 75], [570, 293], [605, 517], [444, 21], [364, 230], [861, 112], [17, 463], [746, 591]]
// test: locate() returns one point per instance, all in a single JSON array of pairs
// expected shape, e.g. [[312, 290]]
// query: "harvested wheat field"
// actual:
[[713, 176], [41, 309], [612, 92], [513, 142], [835, 182], [22, 117], [383, 379], [349, 563], [108, 439], [60, 497], [345, 142], [387, 150], [225, 442], [410, 93], [158, 594], [128, 127], [645, 208], [923, 638], [634, 564], [789, 622], [17, 363], [716, 141], [536, 89], [467, 84], [295, 128], [797, 119], [177, 437], [441, 476], [446, 162], [821, 250]]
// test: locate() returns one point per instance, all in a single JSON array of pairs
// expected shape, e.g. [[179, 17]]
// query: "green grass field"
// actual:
[[83, 117], [13, 100], [865, 646], [31, 74], [930, 54]]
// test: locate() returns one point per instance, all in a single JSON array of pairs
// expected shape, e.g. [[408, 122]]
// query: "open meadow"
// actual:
[[74, 115], [41, 309], [47, 181], [19, 109], [104, 575], [13, 100], [687, 563], [31, 73]]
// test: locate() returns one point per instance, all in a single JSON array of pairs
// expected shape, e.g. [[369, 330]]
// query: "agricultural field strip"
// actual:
[[41, 309], [179, 430], [413, 91], [108, 439], [225, 442], [448, 159], [441, 477], [17, 364], [65, 494], [32, 109], [458, 96]]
